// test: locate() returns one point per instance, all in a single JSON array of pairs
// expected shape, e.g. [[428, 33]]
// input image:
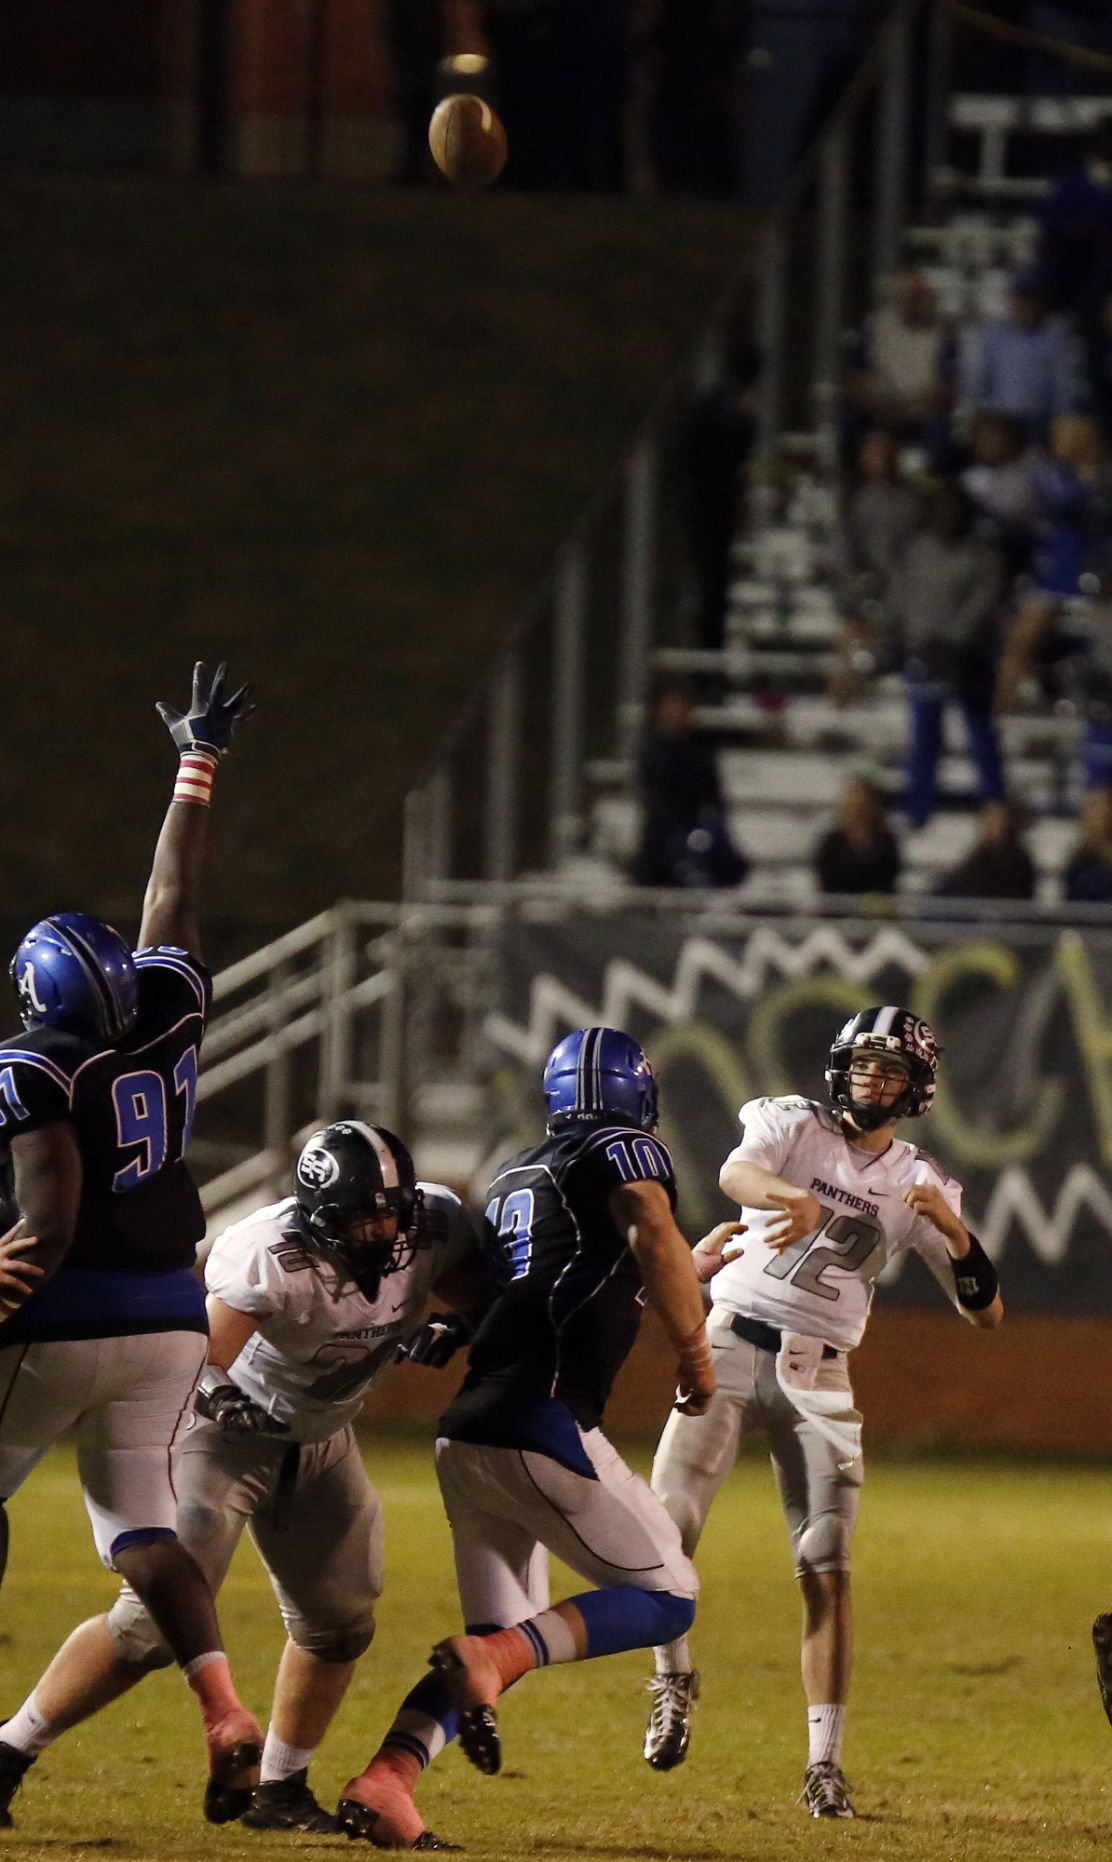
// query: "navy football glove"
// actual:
[[211, 718], [435, 1342]]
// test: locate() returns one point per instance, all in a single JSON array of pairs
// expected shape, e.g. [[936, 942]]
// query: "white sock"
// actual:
[[28, 1730], [280, 1760], [673, 1658], [557, 1636], [824, 1733]]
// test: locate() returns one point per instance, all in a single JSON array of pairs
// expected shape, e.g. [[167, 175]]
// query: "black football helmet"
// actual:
[[886, 1030], [349, 1173]]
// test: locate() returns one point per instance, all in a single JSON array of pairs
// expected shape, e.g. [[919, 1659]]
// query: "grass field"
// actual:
[[975, 1729]]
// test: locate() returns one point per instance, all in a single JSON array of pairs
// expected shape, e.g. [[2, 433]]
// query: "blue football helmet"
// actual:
[[75, 973], [597, 1074]]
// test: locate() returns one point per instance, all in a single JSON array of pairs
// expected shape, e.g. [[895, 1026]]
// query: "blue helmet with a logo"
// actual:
[[597, 1074], [75, 973]]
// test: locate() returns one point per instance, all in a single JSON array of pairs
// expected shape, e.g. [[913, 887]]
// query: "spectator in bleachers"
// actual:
[[685, 832], [901, 374], [998, 865], [1028, 364], [880, 516], [1073, 490], [944, 600], [1087, 877], [859, 853], [1075, 250]]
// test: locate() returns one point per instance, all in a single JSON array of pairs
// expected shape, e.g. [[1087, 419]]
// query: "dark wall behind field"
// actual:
[[334, 437]]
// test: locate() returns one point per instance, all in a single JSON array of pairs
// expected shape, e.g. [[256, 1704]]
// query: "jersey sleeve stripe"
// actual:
[[64, 1080], [159, 961]]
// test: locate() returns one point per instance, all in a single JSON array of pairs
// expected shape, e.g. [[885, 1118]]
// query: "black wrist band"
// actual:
[[975, 1278]]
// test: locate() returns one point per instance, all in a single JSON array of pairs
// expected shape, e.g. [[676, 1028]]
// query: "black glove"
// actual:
[[211, 718], [435, 1342], [232, 1410]]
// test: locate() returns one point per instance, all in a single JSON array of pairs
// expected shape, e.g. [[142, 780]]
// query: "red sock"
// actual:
[[394, 1765], [511, 1653]]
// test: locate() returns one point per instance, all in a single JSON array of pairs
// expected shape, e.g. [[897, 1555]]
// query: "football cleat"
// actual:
[[668, 1734], [1102, 1646], [363, 1823], [288, 1804], [825, 1791], [474, 1685], [235, 1746], [13, 1766]]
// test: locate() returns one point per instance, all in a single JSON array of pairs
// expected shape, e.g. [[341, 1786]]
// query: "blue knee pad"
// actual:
[[620, 1618]]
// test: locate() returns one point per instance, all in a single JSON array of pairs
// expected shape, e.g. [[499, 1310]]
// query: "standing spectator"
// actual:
[[685, 837], [901, 374], [722, 427], [944, 601], [859, 853], [1073, 492], [1027, 363], [998, 865], [1075, 253], [1087, 879]]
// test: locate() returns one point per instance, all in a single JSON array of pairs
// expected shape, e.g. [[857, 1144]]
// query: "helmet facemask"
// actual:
[[886, 1033], [351, 1175]]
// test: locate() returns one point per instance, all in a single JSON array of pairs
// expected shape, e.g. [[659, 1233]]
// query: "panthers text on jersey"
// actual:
[[319, 1342], [131, 1107], [552, 1343], [823, 1285]]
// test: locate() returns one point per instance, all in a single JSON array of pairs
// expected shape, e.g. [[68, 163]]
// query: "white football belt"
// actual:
[[830, 1412]]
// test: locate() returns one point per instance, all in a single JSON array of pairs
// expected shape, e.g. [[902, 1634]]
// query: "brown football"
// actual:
[[467, 140]]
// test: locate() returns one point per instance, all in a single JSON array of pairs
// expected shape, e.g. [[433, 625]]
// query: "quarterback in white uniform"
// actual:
[[308, 1300], [828, 1196]]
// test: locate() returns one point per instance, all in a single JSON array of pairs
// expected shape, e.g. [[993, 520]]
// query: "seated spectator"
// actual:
[[901, 374], [944, 600], [1073, 501], [859, 853], [998, 865], [1000, 479], [685, 835], [1087, 878], [881, 514], [1075, 250], [1027, 364]]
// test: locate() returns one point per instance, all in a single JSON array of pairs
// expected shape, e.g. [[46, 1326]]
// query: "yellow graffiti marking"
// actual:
[[972, 1143], [1093, 1029]]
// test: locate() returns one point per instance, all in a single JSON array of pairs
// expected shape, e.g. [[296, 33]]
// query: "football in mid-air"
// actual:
[[467, 140]]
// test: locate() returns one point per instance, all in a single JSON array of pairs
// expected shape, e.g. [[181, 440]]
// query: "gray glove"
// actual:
[[231, 1409]]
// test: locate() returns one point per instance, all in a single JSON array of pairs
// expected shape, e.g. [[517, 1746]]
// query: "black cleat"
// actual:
[[825, 1791], [1102, 1648], [478, 1722], [13, 1766], [288, 1804], [362, 1824]]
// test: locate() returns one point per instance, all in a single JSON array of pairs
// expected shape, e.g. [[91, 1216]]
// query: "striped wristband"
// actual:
[[194, 782]]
